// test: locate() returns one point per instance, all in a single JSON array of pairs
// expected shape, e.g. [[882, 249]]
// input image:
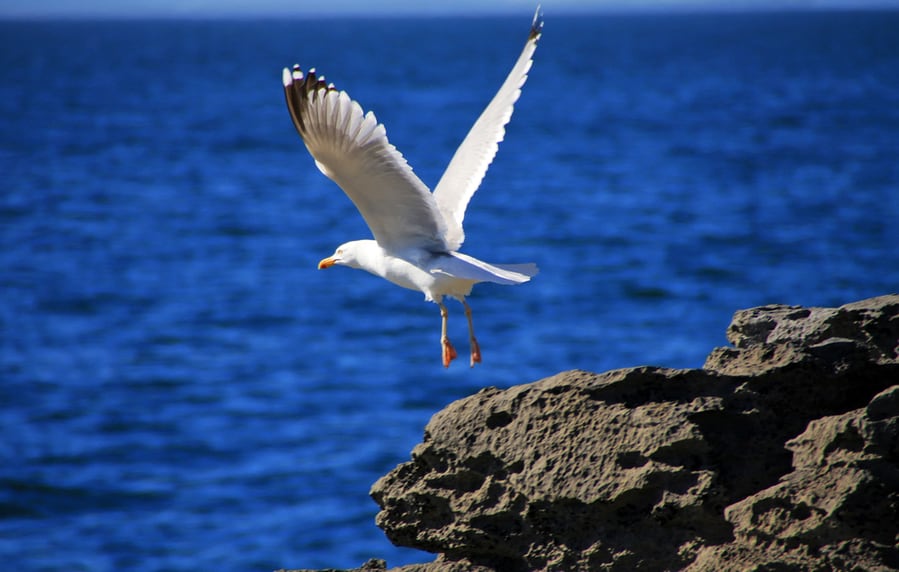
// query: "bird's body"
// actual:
[[416, 271], [417, 233], [436, 274]]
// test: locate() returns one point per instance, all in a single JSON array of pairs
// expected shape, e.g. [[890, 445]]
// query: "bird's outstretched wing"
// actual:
[[351, 148], [469, 164]]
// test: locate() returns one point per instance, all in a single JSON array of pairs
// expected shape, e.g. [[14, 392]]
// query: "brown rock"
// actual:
[[372, 565], [782, 453], [566, 472], [838, 509]]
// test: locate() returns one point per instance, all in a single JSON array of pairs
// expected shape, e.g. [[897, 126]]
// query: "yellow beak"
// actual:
[[327, 263]]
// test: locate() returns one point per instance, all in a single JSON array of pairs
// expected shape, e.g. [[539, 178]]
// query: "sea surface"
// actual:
[[183, 390]]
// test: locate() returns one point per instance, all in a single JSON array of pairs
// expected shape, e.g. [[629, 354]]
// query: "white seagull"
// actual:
[[417, 233]]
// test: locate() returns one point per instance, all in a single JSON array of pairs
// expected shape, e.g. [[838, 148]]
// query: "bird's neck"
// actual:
[[370, 257]]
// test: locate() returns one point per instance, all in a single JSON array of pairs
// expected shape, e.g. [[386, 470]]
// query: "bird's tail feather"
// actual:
[[529, 269], [463, 266]]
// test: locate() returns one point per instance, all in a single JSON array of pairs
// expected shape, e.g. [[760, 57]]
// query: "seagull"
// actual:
[[417, 233]]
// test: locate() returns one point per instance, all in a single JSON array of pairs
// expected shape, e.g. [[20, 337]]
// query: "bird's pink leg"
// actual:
[[475, 348], [449, 352]]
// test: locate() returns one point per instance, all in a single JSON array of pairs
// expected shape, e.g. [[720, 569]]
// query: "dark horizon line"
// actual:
[[402, 14]]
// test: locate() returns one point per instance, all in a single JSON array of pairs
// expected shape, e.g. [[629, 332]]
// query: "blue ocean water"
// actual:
[[182, 389]]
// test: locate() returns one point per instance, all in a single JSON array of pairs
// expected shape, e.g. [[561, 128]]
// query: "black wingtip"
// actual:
[[299, 89], [536, 25]]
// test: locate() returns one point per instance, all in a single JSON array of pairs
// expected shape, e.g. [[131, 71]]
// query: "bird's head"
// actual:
[[348, 254]]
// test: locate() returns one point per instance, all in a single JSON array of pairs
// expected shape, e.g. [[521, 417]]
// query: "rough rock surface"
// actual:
[[782, 453]]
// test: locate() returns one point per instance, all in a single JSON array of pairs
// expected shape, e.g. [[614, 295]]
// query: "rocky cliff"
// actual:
[[781, 453]]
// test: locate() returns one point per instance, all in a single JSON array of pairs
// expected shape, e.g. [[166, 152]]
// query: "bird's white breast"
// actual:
[[418, 276]]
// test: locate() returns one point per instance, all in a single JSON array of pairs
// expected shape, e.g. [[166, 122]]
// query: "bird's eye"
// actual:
[[339, 252]]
